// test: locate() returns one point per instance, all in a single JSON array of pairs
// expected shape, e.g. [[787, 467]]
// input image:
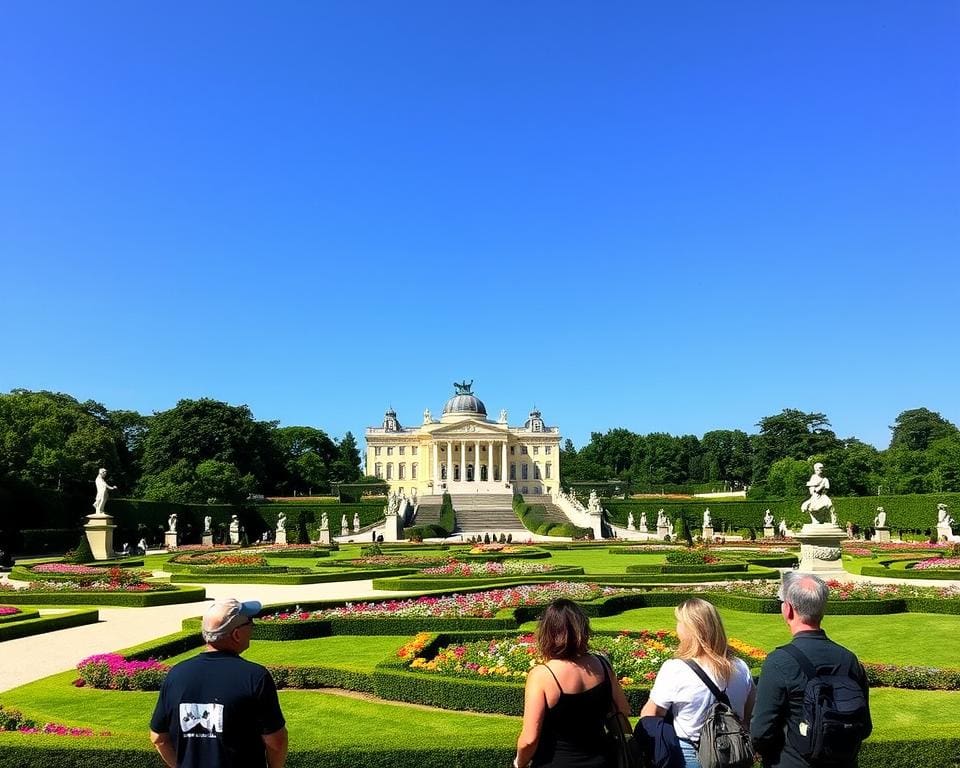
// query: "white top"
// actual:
[[678, 688]]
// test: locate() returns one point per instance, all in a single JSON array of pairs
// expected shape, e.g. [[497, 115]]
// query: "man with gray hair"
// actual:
[[781, 726], [218, 710]]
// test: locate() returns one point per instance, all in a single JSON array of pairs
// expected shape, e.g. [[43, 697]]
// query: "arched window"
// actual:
[[378, 471], [413, 471], [401, 471], [390, 471]]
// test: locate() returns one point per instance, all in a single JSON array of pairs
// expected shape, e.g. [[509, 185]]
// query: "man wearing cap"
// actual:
[[218, 710]]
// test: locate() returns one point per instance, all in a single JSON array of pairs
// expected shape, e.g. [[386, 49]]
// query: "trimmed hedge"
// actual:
[[43, 541], [37, 625], [533, 517], [129, 599], [945, 574], [496, 557], [25, 613], [735, 569], [358, 574]]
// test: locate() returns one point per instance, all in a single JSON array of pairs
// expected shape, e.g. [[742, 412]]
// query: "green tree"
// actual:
[[944, 457], [220, 481], [916, 429], [726, 455], [787, 478], [346, 467], [854, 469], [310, 455], [790, 434]]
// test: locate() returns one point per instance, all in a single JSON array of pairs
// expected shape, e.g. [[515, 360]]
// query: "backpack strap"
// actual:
[[806, 666], [719, 695]]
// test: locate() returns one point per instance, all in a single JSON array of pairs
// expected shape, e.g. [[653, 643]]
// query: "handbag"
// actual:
[[623, 751]]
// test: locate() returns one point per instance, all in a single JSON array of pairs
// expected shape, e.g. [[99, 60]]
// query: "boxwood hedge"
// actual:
[[130, 599], [34, 624]]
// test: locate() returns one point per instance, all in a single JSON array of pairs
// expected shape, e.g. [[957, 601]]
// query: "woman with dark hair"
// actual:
[[567, 696], [680, 690]]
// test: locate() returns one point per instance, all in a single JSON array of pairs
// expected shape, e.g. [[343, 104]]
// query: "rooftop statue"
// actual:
[[463, 388]]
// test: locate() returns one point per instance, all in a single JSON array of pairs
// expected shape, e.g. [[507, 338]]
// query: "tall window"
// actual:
[[513, 471], [389, 450], [523, 450], [536, 450], [523, 471], [536, 471], [402, 449], [413, 450], [546, 449], [413, 471], [378, 470], [376, 450], [401, 467], [548, 470], [390, 471]]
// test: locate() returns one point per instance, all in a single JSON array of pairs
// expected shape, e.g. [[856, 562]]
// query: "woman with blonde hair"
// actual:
[[567, 696], [679, 690]]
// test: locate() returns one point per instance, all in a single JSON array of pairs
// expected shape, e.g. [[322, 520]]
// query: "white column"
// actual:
[[476, 462], [490, 461], [449, 460], [436, 466], [463, 461], [504, 472]]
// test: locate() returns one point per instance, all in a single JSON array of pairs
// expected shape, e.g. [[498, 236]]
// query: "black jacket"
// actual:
[[780, 695]]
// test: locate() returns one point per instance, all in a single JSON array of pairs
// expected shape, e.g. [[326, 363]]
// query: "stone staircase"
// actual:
[[485, 513]]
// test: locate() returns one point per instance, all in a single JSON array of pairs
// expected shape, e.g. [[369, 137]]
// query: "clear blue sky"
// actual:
[[663, 216]]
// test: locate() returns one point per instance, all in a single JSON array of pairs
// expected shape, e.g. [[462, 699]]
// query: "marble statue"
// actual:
[[643, 522], [324, 522], [943, 517], [767, 519], [670, 529], [880, 521], [172, 523], [503, 416], [356, 522], [207, 522], [630, 526], [782, 527], [344, 525], [706, 518], [103, 491], [427, 416], [818, 485], [281, 523], [661, 519], [593, 505], [234, 530]]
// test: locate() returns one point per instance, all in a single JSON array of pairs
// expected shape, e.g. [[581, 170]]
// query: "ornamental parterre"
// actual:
[[113, 671], [506, 568], [839, 590], [216, 559], [380, 561], [8, 610], [938, 563], [475, 604]]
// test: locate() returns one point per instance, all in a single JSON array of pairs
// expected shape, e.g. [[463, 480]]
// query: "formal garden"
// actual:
[[386, 682]]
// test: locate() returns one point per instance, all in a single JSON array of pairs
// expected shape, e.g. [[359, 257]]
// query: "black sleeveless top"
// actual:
[[572, 735]]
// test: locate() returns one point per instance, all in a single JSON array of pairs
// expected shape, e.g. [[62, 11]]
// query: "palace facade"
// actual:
[[465, 452]]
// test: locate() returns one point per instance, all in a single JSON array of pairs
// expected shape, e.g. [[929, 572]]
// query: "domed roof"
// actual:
[[465, 404]]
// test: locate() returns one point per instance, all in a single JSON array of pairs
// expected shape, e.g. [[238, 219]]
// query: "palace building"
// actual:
[[465, 452]]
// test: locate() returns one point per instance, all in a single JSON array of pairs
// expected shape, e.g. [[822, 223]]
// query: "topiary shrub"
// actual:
[[81, 554]]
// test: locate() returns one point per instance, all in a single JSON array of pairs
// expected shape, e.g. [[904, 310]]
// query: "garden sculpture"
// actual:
[[818, 485], [880, 521], [768, 519], [172, 523], [103, 491], [281, 523]]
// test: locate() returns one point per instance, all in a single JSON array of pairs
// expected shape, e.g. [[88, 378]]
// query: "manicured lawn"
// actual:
[[600, 560], [902, 638]]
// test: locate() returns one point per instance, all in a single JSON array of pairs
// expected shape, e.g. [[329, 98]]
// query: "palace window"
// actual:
[[536, 471], [390, 471], [402, 449], [513, 449], [413, 450], [546, 449], [389, 450], [413, 471], [523, 450], [378, 471], [376, 450], [548, 470], [536, 450], [401, 467], [523, 471], [513, 471], [525, 490]]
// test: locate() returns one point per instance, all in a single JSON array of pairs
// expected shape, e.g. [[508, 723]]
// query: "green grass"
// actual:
[[354, 653], [900, 638]]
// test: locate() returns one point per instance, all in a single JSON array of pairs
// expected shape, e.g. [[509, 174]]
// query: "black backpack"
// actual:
[[724, 743], [835, 717]]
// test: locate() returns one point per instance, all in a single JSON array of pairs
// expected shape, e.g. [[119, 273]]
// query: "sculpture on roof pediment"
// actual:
[[503, 416], [469, 427], [463, 387]]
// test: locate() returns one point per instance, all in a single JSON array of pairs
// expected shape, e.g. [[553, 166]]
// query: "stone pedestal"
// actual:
[[882, 534], [662, 531], [820, 548], [643, 529], [324, 536], [170, 539], [281, 537], [393, 528], [944, 533], [707, 533], [99, 532], [207, 540], [768, 532]]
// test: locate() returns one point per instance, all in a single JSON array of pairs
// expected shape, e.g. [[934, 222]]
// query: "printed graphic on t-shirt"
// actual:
[[201, 721]]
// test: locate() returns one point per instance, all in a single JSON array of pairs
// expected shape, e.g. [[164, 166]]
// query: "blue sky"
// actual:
[[665, 216]]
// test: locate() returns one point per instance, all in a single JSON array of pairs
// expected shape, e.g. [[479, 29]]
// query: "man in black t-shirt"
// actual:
[[218, 710]]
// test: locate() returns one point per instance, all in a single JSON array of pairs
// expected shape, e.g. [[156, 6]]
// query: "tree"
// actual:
[[346, 468], [726, 455], [790, 434], [309, 455], [944, 456], [787, 479], [854, 469], [916, 429]]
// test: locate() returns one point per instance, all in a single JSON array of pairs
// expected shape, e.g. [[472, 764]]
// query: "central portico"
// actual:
[[465, 452]]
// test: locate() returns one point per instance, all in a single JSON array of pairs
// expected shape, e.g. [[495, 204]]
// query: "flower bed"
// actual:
[[13, 720], [839, 590], [112, 671], [397, 561], [938, 563], [66, 569], [9, 610], [483, 604], [505, 568], [207, 559], [107, 580], [696, 556]]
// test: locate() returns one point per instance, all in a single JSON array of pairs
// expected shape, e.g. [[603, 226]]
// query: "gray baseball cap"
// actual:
[[223, 616]]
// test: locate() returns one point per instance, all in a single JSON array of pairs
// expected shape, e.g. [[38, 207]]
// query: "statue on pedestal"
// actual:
[[643, 522], [207, 522], [880, 521], [281, 523], [593, 505], [427, 416], [630, 522], [783, 527], [234, 530], [818, 485], [344, 525], [356, 521], [661, 519], [103, 491], [767, 519], [324, 522], [706, 518], [172, 523]]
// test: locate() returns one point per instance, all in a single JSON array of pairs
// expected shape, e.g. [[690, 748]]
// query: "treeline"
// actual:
[[775, 462], [198, 451]]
